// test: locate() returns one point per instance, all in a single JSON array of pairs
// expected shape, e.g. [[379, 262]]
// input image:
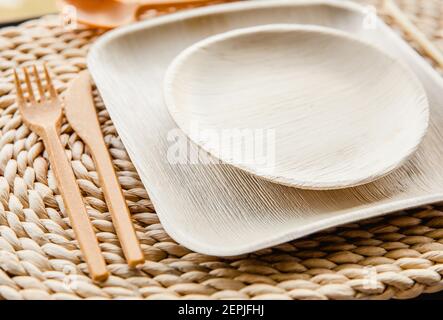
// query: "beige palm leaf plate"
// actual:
[[218, 209]]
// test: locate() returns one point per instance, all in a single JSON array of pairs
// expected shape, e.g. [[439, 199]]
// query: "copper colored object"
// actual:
[[109, 14], [43, 115], [81, 114]]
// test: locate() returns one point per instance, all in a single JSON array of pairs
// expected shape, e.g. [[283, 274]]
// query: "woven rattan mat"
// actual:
[[397, 256]]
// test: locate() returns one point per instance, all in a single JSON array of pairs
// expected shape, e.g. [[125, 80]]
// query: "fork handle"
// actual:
[[74, 204]]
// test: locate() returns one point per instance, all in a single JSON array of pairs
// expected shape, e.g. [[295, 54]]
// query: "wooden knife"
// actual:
[[81, 114]]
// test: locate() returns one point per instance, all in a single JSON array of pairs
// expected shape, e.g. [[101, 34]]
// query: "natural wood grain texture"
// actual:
[[44, 116], [341, 112], [221, 210], [81, 114]]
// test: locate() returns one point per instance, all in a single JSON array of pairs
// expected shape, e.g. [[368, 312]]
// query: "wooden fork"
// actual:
[[44, 117]]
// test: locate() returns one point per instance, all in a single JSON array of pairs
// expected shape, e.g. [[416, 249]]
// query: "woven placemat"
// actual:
[[396, 256]]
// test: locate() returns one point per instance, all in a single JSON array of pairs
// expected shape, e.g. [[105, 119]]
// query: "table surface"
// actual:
[[13, 12]]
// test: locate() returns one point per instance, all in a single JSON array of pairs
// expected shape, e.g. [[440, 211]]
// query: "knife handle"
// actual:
[[117, 204]]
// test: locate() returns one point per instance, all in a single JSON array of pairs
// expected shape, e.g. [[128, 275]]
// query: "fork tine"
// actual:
[[31, 95], [50, 86], [18, 88], [39, 84]]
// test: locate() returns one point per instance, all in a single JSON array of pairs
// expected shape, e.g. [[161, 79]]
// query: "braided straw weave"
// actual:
[[397, 256]]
